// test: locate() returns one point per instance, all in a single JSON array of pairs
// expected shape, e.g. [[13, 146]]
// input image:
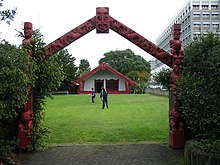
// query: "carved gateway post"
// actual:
[[176, 139], [102, 22], [26, 115]]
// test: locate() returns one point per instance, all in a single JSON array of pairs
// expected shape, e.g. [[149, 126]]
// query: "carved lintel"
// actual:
[[141, 42], [71, 36]]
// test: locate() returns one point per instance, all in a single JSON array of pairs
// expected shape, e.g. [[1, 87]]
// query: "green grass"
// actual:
[[73, 119]]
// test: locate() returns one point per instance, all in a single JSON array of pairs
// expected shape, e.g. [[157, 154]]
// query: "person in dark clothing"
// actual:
[[104, 97], [93, 95]]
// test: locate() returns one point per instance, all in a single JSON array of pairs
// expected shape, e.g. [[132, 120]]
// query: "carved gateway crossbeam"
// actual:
[[141, 42], [71, 36], [102, 22]]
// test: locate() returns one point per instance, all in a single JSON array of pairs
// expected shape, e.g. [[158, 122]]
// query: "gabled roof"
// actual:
[[105, 66]]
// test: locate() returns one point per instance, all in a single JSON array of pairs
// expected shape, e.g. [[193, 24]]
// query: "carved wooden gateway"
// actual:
[[102, 22]]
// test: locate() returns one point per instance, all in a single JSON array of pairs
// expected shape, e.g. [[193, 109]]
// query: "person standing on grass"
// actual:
[[104, 97], [93, 95]]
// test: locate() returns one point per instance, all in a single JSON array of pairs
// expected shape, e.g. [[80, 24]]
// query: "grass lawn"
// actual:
[[130, 118]]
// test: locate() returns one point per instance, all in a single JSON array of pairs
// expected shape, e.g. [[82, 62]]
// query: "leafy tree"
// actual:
[[84, 67], [8, 14], [141, 78], [163, 77], [67, 63], [15, 65], [133, 66], [48, 76], [125, 61], [199, 87], [17, 71]]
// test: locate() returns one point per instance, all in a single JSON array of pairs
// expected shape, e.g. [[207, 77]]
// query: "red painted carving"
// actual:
[[28, 31], [176, 123], [25, 124], [102, 20], [71, 36], [25, 121], [175, 43], [141, 42]]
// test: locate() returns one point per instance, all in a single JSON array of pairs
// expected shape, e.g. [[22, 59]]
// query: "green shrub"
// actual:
[[17, 71], [199, 87], [48, 76], [14, 79]]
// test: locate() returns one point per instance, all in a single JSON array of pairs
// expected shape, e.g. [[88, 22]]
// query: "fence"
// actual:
[[64, 92], [157, 91]]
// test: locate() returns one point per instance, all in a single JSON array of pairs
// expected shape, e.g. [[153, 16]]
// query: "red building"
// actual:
[[103, 76]]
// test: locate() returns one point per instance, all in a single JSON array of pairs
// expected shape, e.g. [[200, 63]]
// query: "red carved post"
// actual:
[[176, 139], [26, 117]]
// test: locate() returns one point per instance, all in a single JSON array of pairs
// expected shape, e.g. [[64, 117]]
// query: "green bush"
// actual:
[[17, 71], [14, 79], [199, 89], [48, 76]]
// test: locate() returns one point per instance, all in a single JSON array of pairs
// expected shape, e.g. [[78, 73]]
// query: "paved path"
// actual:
[[133, 154]]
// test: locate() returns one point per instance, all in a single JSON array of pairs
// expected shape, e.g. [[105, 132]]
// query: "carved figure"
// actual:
[[175, 76], [28, 32], [175, 114], [175, 43], [102, 20]]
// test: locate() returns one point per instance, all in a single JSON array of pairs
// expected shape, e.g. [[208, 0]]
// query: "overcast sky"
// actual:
[[55, 18]]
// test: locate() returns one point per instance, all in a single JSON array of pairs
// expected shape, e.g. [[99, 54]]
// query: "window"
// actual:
[[205, 7], [215, 15], [215, 24], [196, 14], [205, 14], [195, 6], [214, 7], [197, 24], [112, 84], [206, 24]]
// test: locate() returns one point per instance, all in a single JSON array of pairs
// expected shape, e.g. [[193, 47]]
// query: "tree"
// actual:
[[84, 67], [141, 78], [48, 76], [198, 87], [15, 65], [8, 14], [133, 66], [67, 63], [125, 61], [163, 77]]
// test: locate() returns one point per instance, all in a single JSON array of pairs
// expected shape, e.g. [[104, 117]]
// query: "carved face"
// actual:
[[176, 69], [28, 30], [102, 20], [176, 34]]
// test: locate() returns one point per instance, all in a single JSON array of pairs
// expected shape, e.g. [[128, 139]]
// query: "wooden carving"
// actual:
[[71, 36], [102, 20], [141, 42], [176, 123]]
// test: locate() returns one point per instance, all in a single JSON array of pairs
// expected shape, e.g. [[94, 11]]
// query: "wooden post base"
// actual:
[[176, 139]]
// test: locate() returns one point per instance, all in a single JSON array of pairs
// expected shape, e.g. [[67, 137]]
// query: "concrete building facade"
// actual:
[[197, 18]]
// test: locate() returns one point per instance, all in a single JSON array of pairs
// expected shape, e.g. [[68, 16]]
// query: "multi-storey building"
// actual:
[[197, 17]]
